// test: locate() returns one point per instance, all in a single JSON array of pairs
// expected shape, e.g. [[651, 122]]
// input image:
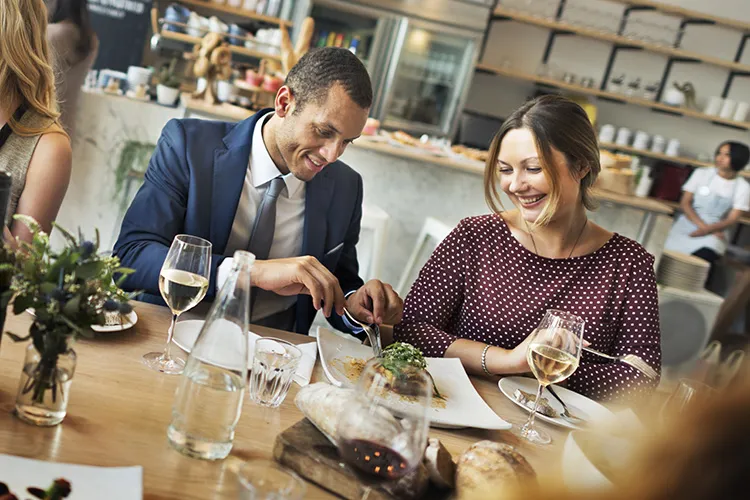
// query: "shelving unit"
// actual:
[[611, 96], [685, 13], [182, 37], [505, 13], [657, 156], [226, 9]]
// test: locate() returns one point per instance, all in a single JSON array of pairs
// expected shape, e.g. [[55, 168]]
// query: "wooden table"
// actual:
[[119, 411]]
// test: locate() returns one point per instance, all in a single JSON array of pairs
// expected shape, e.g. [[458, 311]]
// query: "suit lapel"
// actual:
[[230, 167], [317, 200]]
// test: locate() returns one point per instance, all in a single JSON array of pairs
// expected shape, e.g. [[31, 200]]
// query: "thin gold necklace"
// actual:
[[574, 244]]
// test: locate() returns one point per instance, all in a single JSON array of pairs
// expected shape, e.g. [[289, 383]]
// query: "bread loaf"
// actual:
[[322, 404], [491, 470]]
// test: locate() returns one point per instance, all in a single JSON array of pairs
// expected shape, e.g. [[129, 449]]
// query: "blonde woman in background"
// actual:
[[34, 149]]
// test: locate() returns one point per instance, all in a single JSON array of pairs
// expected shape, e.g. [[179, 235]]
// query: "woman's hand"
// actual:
[[701, 231], [516, 361]]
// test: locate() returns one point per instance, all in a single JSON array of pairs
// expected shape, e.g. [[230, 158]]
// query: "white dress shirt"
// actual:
[[290, 220]]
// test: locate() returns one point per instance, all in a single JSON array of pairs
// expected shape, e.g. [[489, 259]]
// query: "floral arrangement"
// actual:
[[69, 291]]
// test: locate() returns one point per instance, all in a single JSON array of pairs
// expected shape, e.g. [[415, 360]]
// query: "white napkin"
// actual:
[[88, 482], [306, 363]]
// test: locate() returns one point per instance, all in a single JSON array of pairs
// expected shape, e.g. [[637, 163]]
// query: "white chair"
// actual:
[[372, 239], [433, 231]]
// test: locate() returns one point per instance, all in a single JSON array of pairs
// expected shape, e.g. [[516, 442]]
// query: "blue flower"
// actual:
[[111, 305], [126, 308], [87, 248]]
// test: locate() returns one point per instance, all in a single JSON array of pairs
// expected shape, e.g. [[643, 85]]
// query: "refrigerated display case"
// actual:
[[420, 65]]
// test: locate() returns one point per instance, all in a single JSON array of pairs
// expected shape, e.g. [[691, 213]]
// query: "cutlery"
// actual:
[[372, 331], [566, 412], [630, 359]]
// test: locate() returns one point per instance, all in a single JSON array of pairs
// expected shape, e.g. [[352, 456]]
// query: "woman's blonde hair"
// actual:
[[555, 122], [25, 72]]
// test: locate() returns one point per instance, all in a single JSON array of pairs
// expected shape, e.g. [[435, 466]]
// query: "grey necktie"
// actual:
[[265, 221]]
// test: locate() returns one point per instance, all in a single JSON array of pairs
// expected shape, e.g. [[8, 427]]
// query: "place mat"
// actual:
[[305, 450], [87, 482]]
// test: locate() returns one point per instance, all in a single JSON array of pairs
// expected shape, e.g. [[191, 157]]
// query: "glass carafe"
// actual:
[[208, 400]]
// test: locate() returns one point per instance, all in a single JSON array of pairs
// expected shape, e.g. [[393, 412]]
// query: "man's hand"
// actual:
[[300, 275], [376, 302]]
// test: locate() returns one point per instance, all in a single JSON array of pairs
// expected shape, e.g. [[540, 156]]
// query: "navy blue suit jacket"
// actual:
[[193, 185]]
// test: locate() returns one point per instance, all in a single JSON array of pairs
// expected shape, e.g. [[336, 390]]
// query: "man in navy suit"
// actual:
[[208, 178]]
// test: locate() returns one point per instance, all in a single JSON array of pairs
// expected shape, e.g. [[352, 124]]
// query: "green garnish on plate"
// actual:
[[400, 354]]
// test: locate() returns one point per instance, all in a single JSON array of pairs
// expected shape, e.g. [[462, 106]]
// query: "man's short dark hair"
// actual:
[[320, 69]]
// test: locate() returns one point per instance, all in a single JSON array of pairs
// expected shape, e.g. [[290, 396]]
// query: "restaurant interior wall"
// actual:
[[521, 47]]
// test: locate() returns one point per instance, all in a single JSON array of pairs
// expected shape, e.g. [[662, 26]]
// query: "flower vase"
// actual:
[[44, 388]]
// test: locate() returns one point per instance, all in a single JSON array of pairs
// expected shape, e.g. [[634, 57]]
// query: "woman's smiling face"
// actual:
[[522, 177]]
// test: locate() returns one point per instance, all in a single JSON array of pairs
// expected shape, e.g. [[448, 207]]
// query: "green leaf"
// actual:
[[71, 239], [71, 325], [71, 307], [90, 269], [22, 303], [87, 333], [16, 338], [97, 241], [47, 287]]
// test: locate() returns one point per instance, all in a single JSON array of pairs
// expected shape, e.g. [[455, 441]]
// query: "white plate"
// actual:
[[464, 407], [186, 333], [581, 406], [129, 322]]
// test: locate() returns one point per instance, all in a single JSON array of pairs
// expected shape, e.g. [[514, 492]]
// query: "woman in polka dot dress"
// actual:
[[491, 280]]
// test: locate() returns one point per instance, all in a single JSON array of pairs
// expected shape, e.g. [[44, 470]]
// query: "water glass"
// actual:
[[267, 480], [274, 364], [685, 396]]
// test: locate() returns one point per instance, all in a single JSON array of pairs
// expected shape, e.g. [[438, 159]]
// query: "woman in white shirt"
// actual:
[[713, 199]]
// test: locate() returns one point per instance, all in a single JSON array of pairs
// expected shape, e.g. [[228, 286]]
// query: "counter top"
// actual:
[[477, 168]]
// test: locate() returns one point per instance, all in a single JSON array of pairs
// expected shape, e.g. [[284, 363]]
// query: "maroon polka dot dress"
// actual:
[[482, 284]]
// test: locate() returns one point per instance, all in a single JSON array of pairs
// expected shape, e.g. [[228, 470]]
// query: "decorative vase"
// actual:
[[44, 388]]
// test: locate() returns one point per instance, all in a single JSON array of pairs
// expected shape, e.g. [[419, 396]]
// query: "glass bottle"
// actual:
[[208, 399]]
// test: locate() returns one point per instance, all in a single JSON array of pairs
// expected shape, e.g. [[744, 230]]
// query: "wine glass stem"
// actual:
[[167, 355], [530, 422]]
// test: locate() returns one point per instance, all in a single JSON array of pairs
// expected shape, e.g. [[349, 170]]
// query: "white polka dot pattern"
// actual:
[[482, 284]]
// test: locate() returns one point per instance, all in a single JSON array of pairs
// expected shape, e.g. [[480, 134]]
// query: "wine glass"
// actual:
[[183, 282], [383, 432], [553, 355]]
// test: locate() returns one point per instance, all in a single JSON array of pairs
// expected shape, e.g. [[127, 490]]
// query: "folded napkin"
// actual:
[[306, 363], [88, 482]]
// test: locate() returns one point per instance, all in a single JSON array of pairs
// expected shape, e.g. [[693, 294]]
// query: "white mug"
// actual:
[[657, 144], [740, 115], [623, 136], [224, 90], [673, 147], [607, 133], [641, 140], [727, 109], [713, 106]]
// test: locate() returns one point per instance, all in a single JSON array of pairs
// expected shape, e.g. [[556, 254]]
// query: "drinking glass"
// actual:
[[274, 364], [267, 480], [183, 282], [383, 432], [686, 395], [553, 356]]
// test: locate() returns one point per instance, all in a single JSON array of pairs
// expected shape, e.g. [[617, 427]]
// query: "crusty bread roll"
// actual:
[[491, 470]]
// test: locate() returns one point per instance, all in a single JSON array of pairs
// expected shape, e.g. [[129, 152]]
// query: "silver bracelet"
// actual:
[[484, 360]]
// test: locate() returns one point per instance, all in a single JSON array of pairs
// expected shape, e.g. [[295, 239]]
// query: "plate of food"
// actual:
[[113, 321], [522, 391], [455, 402]]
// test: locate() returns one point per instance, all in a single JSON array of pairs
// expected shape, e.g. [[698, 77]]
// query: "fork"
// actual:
[[630, 359], [372, 331], [566, 412]]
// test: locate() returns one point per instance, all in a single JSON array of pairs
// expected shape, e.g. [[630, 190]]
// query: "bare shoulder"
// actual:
[[53, 155]]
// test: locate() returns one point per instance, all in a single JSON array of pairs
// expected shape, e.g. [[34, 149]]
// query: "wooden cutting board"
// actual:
[[310, 454]]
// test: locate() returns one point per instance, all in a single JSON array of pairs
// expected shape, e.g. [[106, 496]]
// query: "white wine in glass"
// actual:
[[183, 282], [553, 355]]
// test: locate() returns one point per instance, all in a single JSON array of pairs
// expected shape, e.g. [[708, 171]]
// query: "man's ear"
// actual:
[[284, 102]]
